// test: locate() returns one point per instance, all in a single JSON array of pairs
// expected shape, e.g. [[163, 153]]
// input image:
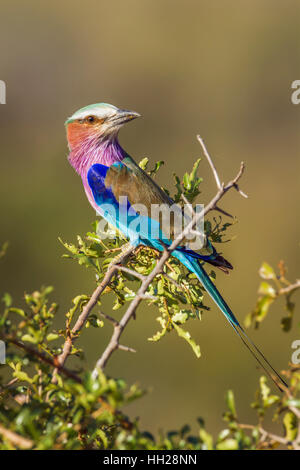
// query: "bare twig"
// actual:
[[212, 166], [16, 439], [220, 185], [289, 289], [8, 385]]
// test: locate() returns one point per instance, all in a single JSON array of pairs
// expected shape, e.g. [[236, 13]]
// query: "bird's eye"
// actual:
[[90, 119]]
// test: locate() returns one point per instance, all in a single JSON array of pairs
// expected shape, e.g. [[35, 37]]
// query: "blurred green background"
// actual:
[[222, 69]]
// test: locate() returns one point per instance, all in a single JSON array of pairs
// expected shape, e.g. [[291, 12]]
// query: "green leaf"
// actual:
[[286, 322], [157, 166], [161, 333], [3, 249], [268, 400], [18, 311], [267, 272], [230, 401], [52, 336], [101, 434], [22, 376], [186, 181], [262, 308], [7, 299], [291, 426], [266, 289], [228, 444], [206, 439], [193, 174], [143, 163], [29, 339], [180, 317], [186, 335]]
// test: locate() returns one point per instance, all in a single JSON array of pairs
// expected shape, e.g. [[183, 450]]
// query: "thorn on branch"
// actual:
[[233, 183], [218, 209], [131, 272], [126, 348], [109, 318]]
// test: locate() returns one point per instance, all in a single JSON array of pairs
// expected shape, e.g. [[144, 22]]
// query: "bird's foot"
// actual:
[[122, 257]]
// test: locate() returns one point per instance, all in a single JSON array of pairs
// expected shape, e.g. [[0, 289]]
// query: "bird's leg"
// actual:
[[170, 267], [112, 250], [149, 248], [138, 249], [126, 250]]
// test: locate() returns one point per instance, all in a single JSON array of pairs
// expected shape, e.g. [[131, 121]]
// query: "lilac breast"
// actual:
[[94, 151]]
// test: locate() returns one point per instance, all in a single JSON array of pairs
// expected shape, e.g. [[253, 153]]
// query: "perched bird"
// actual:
[[114, 183]]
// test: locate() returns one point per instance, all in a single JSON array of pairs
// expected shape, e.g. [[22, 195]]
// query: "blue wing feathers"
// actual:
[[96, 177], [103, 195]]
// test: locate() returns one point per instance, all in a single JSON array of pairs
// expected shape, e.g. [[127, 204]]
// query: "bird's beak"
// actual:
[[123, 116]]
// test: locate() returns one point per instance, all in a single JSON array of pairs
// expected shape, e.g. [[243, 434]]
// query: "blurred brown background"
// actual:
[[222, 69]]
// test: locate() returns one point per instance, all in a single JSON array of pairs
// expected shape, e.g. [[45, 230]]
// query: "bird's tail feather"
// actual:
[[211, 289], [260, 357]]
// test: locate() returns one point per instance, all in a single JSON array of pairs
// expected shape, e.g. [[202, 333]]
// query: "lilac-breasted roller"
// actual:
[[110, 175]]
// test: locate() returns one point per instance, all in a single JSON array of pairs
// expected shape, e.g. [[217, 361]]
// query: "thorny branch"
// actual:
[[73, 334], [289, 289], [48, 360]]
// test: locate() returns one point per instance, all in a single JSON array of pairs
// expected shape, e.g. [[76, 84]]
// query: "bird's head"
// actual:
[[98, 122]]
